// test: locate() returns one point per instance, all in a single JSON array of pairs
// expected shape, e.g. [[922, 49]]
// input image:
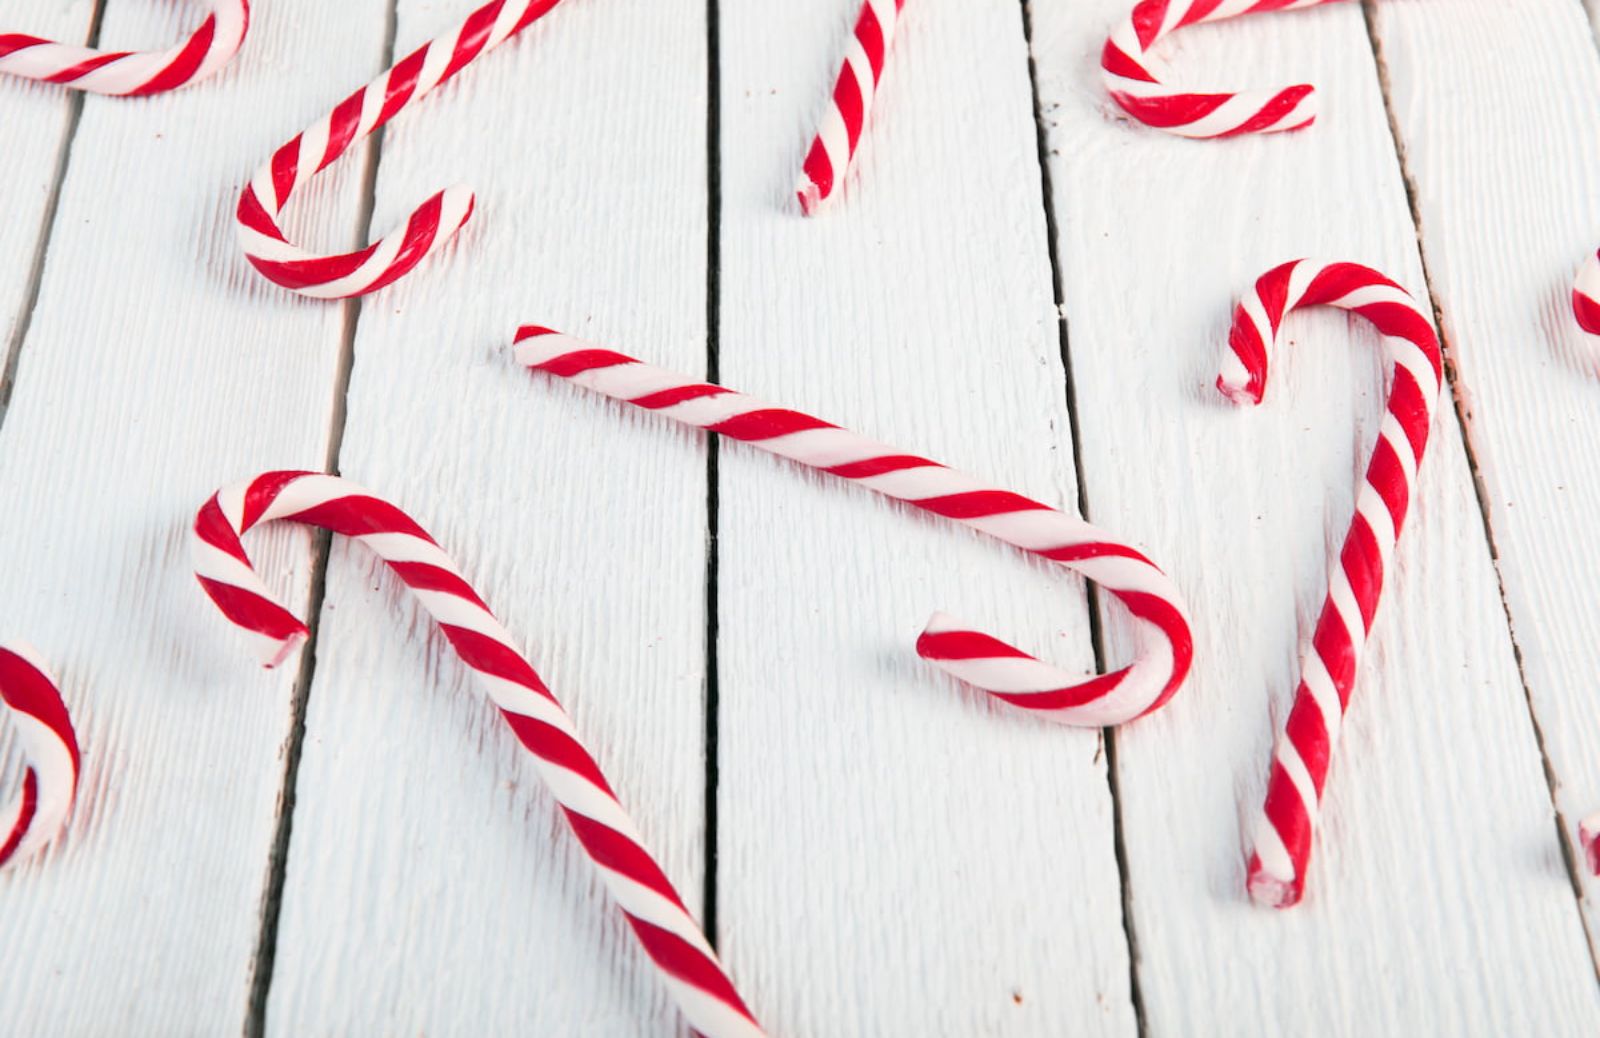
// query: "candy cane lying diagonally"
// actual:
[[663, 925], [1133, 84], [840, 132], [293, 165], [1285, 829], [50, 784], [131, 73], [1165, 643]]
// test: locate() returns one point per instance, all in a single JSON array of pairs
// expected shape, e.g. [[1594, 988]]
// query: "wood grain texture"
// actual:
[[157, 367], [35, 121], [896, 855], [432, 887], [1438, 900], [1496, 108]]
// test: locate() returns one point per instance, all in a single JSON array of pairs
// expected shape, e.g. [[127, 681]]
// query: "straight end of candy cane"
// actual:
[[1589, 838], [1270, 888], [809, 195], [1586, 296], [1238, 386]]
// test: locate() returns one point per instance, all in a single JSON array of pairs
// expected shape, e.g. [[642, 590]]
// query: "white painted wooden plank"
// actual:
[[34, 119], [1498, 107], [898, 856], [433, 887], [157, 367], [1438, 901]]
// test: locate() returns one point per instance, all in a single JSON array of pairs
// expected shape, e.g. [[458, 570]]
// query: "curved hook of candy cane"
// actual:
[[1287, 823], [50, 747], [840, 132], [293, 165], [1131, 80], [131, 73], [668, 934], [1164, 642]]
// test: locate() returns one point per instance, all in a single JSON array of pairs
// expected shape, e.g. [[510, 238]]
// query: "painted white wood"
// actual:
[[34, 118], [432, 886], [1504, 154], [896, 855], [157, 367], [1438, 901]]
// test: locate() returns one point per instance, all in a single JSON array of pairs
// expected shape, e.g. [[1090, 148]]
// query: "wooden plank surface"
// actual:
[[896, 855], [890, 852], [37, 119], [1437, 836], [584, 527], [157, 367], [1503, 156]]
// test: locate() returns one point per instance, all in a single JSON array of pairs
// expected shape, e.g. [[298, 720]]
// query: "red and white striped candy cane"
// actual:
[[50, 748], [1288, 822], [1165, 645], [131, 73], [1589, 839], [835, 144], [294, 164], [1586, 295], [670, 937], [1131, 79]]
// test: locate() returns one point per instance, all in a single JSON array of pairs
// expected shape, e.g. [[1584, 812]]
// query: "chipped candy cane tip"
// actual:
[[131, 73], [1165, 644], [842, 124], [666, 931], [1286, 826], [430, 226], [1132, 81], [29, 695]]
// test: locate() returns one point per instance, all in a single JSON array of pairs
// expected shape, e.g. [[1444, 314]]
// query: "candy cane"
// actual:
[[836, 140], [131, 73], [1164, 643], [1589, 839], [652, 907], [430, 225], [1586, 295], [50, 748], [1133, 84], [1285, 828]]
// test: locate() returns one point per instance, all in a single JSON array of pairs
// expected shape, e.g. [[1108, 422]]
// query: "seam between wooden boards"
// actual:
[[1108, 737], [261, 967], [1569, 855], [708, 909], [12, 358]]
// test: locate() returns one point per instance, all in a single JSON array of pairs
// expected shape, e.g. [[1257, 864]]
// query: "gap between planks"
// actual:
[[708, 922], [1108, 735], [1569, 854], [47, 223], [260, 987]]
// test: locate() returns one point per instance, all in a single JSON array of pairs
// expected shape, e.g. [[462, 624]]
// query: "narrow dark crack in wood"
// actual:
[[1569, 853]]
